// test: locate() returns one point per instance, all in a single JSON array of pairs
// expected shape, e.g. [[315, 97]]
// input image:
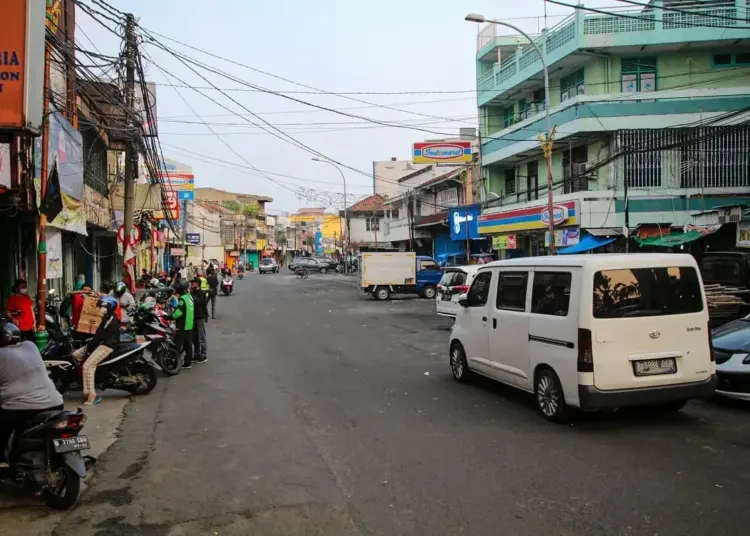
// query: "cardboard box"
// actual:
[[90, 316]]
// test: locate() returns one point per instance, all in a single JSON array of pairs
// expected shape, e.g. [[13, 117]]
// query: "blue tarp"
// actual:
[[587, 243]]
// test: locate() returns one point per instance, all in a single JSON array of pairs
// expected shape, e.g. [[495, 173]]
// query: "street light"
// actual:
[[346, 216], [547, 143]]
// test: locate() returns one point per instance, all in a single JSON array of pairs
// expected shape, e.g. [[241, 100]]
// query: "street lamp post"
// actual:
[[346, 214], [547, 141]]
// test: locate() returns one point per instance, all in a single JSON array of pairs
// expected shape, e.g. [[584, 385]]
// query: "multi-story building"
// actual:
[[364, 224], [647, 102]]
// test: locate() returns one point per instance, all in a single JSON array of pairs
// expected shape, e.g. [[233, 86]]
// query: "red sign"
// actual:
[[171, 201], [135, 235]]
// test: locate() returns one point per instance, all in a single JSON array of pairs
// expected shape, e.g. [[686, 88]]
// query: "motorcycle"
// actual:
[[130, 367], [149, 324], [227, 285], [46, 456]]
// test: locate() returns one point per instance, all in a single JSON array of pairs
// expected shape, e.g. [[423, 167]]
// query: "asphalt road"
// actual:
[[322, 412]]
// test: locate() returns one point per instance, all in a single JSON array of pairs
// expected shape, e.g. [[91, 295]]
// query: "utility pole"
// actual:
[[627, 214], [41, 283], [131, 148], [547, 142], [203, 239]]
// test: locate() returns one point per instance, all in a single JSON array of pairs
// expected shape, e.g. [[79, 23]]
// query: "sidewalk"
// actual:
[[23, 515]]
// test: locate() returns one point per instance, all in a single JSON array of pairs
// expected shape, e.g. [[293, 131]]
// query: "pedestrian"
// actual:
[[213, 286], [200, 303], [20, 309], [127, 278], [184, 317]]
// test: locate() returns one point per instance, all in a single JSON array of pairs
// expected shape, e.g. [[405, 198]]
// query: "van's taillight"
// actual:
[[585, 351], [710, 342]]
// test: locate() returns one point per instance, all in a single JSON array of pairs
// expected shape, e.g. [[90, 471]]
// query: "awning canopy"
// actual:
[[671, 240], [587, 243]]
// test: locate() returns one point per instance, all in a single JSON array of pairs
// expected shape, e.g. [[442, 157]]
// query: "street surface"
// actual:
[[323, 412]]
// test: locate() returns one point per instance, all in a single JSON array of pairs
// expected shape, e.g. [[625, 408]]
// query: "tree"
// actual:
[[251, 209], [234, 206]]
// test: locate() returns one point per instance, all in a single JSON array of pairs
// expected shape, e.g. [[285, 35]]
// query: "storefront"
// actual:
[[466, 245], [522, 232]]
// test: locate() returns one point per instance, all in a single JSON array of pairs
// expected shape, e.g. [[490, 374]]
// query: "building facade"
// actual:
[[649, 106]]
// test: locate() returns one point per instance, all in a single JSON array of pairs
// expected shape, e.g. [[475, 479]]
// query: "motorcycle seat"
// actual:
[[123, 348]]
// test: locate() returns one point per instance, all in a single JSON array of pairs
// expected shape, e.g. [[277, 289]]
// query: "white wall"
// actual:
[[359, 232], [208, 224]]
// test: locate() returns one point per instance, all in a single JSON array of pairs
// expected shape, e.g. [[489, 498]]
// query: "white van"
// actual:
[[456, 281], [588, 331]]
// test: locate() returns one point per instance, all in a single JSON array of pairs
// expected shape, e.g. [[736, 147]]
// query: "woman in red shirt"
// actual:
[[21, 310]]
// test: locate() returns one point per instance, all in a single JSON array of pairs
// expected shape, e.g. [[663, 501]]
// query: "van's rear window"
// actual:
[[638, 292]]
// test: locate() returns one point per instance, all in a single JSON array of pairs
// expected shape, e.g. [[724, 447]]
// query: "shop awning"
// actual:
[[587, 243], [674, 239]]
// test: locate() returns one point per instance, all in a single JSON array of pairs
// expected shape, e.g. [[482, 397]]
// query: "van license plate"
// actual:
[[653, 367]]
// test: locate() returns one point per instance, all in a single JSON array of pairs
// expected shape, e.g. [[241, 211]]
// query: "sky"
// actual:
[[423, 48]]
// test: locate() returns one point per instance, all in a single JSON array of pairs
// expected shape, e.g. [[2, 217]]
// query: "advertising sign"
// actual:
[[743, 234], [5, 165], [524, 219], [442, 152], [463, 222], [177, 252], [504, 242], [179, 178], [65, 147], [22, 64], [319, 243], [564, 237], [194, 239]]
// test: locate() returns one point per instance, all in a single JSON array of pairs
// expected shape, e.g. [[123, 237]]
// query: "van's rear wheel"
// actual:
[[549, 396]]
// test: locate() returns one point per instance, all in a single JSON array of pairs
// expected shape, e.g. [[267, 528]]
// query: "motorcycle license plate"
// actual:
[[69, 444]]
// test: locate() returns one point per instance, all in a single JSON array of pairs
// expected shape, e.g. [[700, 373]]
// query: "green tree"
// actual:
[[234, 206], [251, 209]]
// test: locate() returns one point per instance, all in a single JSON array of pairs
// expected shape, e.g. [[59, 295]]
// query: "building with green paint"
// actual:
[[653, 100]]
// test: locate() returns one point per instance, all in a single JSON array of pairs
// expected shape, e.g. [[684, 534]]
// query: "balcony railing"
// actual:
[[624, 27]]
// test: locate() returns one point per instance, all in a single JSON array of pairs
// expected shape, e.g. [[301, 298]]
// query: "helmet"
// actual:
[[181, 286], [10, 334], [120, 288], [109, 302]]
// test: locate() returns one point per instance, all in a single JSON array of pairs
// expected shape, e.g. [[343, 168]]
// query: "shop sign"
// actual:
[[194, 239], [177, 252], [743, 234], [234, 253], [564, 237], [22, 65], [442, 152], [528, 218], [504, 242], [463, 222], [559, 214]]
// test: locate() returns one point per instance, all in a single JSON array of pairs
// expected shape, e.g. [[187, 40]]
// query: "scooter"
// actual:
[[46, 456], [149, 325], [227, 284]]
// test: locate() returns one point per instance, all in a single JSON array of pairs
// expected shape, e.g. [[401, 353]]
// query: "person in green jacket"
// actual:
[[184, 317]]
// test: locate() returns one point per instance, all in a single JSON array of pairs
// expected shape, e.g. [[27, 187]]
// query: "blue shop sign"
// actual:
[[463, 222]]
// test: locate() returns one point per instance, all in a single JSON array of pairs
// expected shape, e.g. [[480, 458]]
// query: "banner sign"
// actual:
[[442, 152], [564, 237], [504, 242], [194, 239]]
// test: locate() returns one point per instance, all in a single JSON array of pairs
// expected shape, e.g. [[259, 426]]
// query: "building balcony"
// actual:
[[652, 30], [585, 116]]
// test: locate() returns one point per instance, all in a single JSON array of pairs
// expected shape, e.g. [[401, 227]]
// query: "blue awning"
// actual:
[[587, 243]]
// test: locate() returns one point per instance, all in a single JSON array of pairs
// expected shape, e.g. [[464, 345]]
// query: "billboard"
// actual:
[[22, 65], [528, 218], [442, 152], [179, 178]]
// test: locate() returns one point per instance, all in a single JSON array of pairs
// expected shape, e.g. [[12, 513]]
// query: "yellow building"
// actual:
[[316, 219]]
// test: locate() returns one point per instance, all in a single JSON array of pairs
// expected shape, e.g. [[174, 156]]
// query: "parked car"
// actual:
[[732, 353], [455, 282], [588, 331], [384, 274], [310, 263], [267, 264]]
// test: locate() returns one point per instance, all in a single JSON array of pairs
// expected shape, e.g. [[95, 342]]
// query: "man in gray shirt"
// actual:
[[25, 386]]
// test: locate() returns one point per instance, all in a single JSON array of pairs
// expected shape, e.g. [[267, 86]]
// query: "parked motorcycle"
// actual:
[[149, 324], [227, 285], [46, 457]]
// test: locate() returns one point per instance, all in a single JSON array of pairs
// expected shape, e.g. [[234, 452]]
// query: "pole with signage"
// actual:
[[41, 286], [547, 142]]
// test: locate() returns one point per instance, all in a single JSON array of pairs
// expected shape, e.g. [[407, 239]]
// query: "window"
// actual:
[[428, 265], [394, 214], [638, 74], [538, 99], [453, 278], [510, 181], [722, 270], [731, 60], [639, 292], [480, 289], [551, 293], [508, 116], [524, 109], [511, 291], [572, 85], [373, 224], [532, 180]]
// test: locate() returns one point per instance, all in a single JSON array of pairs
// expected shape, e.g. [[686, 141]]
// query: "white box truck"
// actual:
[[383, 274]]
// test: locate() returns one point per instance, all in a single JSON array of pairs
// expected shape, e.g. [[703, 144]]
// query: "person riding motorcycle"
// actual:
[[106, 338], [125, 299], [25, 386]]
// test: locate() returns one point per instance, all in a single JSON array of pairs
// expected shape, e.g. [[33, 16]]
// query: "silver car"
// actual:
[[268, 265]]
